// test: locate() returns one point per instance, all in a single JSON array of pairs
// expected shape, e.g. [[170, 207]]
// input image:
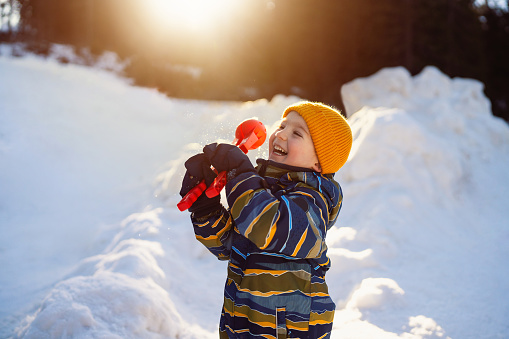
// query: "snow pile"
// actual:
[[117, 294], [94, 246], [426, 195], [67, 54], [81, 151]]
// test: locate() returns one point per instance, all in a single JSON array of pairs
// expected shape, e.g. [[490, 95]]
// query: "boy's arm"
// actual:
[[293, 223], [211, 221], [213, 231]]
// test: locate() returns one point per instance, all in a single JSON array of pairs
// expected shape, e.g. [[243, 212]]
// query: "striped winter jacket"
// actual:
[[274, 238]]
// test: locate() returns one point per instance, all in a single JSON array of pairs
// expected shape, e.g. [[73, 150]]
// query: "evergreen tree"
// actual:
[[496, 36]]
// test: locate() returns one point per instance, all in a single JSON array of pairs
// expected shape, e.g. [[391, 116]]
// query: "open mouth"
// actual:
[[279, 151]]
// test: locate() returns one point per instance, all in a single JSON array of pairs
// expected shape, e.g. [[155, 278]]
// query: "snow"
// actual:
[[93, 246]]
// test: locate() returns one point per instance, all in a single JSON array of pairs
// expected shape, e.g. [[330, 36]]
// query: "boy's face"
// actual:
[[291, 143]]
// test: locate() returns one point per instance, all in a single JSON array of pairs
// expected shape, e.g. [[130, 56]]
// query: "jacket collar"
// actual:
[[274, 169], [269, 168], [289, 176]]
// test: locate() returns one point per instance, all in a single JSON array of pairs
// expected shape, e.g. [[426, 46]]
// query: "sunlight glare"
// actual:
[[197, 15]]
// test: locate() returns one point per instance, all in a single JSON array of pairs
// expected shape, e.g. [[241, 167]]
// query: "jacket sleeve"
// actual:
[[213, 231], [292, 222]]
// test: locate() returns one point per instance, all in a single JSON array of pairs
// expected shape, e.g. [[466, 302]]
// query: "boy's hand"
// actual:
[[227, 157], [198, 169]]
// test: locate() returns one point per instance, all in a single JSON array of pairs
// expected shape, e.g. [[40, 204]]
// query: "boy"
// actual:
[[273, 233]]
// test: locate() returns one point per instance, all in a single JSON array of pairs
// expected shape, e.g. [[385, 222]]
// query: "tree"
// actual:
[[496, 36], [7, 12], [304, 47]]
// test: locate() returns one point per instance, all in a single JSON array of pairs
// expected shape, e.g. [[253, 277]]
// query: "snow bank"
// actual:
[[83, 152], [419, 249], [118, 294], [150, 269], [426, 193]]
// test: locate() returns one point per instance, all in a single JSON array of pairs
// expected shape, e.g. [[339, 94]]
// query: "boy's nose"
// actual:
[[281, 134]]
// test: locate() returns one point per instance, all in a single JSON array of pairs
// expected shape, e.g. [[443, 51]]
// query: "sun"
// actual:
[[190, 15]]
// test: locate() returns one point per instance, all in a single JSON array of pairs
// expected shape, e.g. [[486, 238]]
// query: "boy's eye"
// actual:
[[297, 134]]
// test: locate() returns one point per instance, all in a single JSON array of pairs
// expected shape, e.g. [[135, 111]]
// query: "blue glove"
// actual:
[[227, 157], [198, 168]]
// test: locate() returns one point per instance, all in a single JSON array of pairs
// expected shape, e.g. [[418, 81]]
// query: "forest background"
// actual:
[[308, 48]]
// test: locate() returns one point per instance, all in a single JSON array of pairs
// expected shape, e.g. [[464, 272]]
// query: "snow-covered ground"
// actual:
[[92, 245]]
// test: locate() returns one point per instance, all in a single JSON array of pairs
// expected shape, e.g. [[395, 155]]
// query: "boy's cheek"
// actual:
[[271, 141]]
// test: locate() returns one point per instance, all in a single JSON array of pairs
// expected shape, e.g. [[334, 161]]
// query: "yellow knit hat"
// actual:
[[331, 134]]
